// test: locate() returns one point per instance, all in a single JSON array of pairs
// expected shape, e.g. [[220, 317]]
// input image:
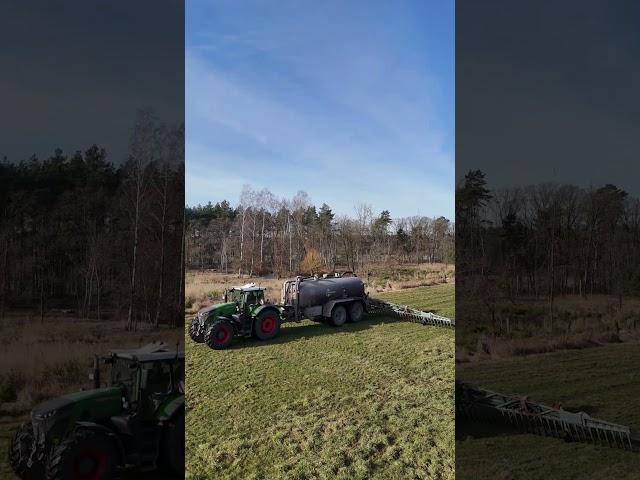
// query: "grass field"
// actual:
[[602, 381], [368, 400]]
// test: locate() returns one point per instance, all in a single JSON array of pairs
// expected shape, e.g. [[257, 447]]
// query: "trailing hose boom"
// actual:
[[477, 403], [418, 316]]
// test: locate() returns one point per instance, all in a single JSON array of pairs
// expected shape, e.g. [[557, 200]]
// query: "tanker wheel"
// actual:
[[338, 316], [356, 312], [173, 444], [196, 331], [219, 335], [266, 325], [84, 455], [20, 450]]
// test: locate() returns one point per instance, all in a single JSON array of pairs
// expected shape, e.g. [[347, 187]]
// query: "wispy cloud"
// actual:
[[351, 112]]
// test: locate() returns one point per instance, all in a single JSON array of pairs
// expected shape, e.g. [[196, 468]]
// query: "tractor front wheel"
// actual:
[[266, 325], [20, 450], [219, 335], [338, 316], [195, 331], [84, 455]]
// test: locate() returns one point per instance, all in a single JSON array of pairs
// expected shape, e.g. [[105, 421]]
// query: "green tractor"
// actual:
[[135, 421], [244, 312]]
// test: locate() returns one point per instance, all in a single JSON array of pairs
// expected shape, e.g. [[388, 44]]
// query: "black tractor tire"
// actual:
[[172, 447], [20, 450], [266, 325], [338, 316], [356, 312], [85, 454], [219, 334], [196, 331]]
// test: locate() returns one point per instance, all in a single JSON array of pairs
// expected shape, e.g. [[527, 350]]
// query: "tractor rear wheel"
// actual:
[[266, 325], [356, 311], [219, 335], [20, 450], [84, 455], [338, 316], [195, 331], [173, 444]]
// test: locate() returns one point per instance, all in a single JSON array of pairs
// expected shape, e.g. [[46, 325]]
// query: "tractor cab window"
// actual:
[[158, 378], [125, 377], [254, 297], [178, 377], [235, 295], [250, 299], [157, 384]]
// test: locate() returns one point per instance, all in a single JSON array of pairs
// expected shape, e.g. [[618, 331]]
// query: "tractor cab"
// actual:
[[147, 378], [245, 297]]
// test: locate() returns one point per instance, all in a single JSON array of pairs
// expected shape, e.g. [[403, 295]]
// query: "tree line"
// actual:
[[264, 234], [79, 232], [547, 240]]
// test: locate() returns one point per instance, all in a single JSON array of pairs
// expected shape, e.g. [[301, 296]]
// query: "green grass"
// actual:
[[368, 400], [602, 381]]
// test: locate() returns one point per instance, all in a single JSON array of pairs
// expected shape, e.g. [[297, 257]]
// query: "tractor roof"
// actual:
[[249, 287], [152, 352]]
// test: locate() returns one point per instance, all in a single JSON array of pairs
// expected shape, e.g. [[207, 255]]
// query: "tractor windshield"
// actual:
[[122, 375]]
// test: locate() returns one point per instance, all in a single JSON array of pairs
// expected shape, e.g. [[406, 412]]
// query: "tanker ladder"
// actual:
[[375, 305], [531, 417]]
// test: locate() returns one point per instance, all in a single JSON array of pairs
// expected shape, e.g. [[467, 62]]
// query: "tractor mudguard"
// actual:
[[108, 432], [263, 308], [170, 408], [328, 307]]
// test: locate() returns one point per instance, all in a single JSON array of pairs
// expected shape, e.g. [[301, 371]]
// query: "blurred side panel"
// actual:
[[547, 239], [91, 237]]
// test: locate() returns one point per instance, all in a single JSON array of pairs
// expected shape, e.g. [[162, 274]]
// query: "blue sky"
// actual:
[[352, 102]]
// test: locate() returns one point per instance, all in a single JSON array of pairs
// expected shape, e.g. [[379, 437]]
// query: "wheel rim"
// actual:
[[90, 464], [268, 325], [223, 334], [356, 311], [340, 316]]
